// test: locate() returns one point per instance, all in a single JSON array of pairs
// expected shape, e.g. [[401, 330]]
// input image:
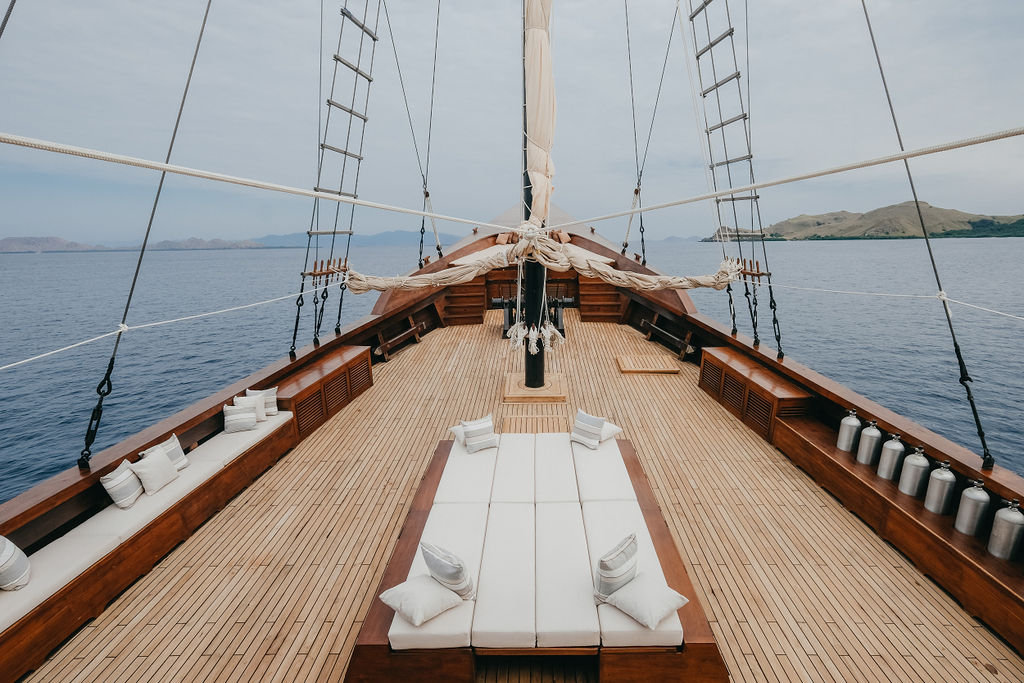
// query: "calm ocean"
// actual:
[[895, 351]]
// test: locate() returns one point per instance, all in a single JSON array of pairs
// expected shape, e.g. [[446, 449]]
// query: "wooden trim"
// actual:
[[697, 659], [27, 643], [999, 480], [987, 587]]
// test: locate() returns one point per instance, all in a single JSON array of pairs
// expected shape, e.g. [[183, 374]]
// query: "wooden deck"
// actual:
[[274, 587]]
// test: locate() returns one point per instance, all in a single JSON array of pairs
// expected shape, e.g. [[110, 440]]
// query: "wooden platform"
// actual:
[[276, 585], [697, 659], [647, 364]]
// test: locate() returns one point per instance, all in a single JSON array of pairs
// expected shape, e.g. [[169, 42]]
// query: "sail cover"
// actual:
[[540, 107]]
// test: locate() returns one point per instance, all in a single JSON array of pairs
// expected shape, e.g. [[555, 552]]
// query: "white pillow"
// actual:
[[616, 568], [123, 486], [257, 403], [586, 430], [269, 398], [15, 570], [155, 469], [479, 434], [420, 599], [172, 447], [448, 570], [609, 430], [460, 434], [239, 418], [647, 599]]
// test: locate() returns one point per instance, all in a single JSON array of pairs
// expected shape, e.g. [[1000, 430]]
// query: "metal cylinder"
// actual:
[[915, 473], [941, 483], [891, 458], [1007, 530], [870, 444], [849, 430], [973, 504]]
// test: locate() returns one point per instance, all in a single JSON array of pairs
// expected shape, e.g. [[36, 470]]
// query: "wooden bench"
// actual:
[[386, 345], [650, 328], [698, 659], [749, 390]]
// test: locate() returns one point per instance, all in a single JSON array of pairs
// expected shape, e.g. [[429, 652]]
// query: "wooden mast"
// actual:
[[533, 272]]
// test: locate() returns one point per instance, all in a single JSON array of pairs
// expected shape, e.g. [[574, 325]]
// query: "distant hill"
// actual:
[[894, 222], [31, 245]]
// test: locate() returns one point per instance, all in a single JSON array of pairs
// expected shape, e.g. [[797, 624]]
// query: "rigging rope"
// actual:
[[207, 314], [988, 461], [7, 17], [105, 386]]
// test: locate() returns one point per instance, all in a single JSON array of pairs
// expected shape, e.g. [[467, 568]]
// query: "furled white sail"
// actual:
[[540, 107]]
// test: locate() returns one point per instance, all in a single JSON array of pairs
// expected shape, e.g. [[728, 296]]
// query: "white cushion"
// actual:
[[172, 447], [122, 485], [616, 568], [419, 599], [449, 570], [610, 430], [601, 474], [647, 599], [479, 434], [15, 569], [225, 447], [239, 419], [566, 613], [467, 477], [459, 433], [460, 528], [586, 429], [257, 403], [155, 469], [606, 522], [269, 399], [513, 470], [505, 598], [53, 567], [555, 471]]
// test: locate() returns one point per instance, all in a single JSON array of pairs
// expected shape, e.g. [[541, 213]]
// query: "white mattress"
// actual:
[[607, 523], [467, 477], [513, 471], [601, 474], [458, 527], [566, 613], [555, 471], [505, 613]]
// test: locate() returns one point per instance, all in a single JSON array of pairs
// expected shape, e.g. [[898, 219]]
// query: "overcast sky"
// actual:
[[109, 75]]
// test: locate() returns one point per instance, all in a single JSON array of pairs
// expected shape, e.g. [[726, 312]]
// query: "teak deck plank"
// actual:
[[276, 585]]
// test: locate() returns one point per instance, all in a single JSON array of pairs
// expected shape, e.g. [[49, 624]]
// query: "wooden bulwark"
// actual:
[[276, 585]]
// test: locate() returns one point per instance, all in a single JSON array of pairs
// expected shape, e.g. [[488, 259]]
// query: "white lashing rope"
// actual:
[[127, 328], [124, 160], [922, 151]]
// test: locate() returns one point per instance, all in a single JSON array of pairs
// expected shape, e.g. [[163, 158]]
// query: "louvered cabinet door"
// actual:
[[759, 413], [360, 376]]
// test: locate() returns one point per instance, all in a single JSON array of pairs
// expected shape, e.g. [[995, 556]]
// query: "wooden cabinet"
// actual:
[[749, 390], [321, 389]]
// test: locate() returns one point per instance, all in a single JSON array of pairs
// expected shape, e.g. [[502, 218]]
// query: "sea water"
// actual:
[[897, 351]]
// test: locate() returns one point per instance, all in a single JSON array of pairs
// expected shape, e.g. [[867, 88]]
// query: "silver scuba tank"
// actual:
[[1007, 530], [973, 504], [915, 473], [849, 430], [870, 444], [892, 458], [941, 483]]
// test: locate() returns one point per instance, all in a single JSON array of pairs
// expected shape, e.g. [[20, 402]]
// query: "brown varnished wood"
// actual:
[[26, 644], [989, 588]]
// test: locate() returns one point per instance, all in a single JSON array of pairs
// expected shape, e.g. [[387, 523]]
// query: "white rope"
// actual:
[[922, 151], [941, 296], [122, 328], [86, 153]]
